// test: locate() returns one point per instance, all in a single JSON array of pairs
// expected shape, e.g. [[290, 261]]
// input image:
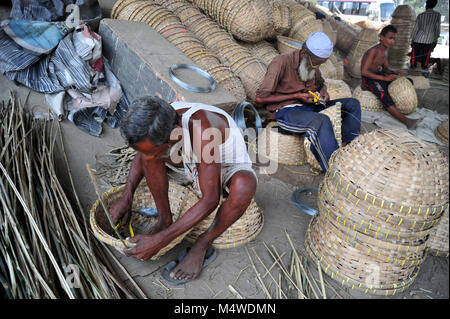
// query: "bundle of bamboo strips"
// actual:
[[46, 249]]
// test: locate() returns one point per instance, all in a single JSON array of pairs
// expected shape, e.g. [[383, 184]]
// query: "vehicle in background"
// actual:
[[379, 11]]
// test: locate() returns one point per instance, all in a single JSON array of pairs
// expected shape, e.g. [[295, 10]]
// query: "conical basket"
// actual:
[[403, 94], [180, 199]]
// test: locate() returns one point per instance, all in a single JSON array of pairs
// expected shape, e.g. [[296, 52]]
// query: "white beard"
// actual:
[[304, 73]]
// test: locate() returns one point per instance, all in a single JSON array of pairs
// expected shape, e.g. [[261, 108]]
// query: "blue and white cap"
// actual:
[[320, 45]]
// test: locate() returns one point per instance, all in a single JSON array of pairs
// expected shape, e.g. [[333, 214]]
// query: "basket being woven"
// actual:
[[337, 89], [334, 113], [379, 201], [180, 199], [441, 132], [403, 94], [285, 149], [242, 231], [368, 100]]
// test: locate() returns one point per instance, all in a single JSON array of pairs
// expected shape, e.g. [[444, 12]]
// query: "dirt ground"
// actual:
[[232, 271]]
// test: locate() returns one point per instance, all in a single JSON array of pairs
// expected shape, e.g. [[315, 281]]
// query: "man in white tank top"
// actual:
[[158, 130]]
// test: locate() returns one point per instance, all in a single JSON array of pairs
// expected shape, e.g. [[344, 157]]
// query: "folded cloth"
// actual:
[[39, 37]]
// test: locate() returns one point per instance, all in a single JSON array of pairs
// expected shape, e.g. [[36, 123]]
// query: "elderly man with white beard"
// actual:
[[285, 92]]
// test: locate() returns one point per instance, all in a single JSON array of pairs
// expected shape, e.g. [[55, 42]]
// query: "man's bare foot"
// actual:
[[412, 124], [191, 265]]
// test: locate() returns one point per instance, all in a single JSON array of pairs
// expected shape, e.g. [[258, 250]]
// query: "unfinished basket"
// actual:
[[420, 82], [285, 149], [334, 113], [441, 132], [437, 244], [244, 230], [368, 100], [403, 94], [379, 200], [287, 45], [180, 199]]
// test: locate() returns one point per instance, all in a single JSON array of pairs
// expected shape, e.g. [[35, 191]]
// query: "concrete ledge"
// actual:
[[141, 58]]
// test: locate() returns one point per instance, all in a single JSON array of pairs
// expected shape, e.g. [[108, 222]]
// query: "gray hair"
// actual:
[[148, 117]]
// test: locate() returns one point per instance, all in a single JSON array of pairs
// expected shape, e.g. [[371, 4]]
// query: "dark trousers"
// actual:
[[379, 88], [421, 53], [306, 120]]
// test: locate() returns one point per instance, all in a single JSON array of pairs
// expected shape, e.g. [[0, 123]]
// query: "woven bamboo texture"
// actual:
[[180, 199], [368, 100], [420, 82], [247, 20], [334, 113], [285, 149], [242, 231], [328, 70], [262, 50], [441, 132], [281, 15], [366, 39], [346, 35], [247, 67], [337, 89], [287, 45], [329, 31], [303, 22], [437, 244], [378, 203], [170, 27], [403, 18], [338, 66], [404, 95]]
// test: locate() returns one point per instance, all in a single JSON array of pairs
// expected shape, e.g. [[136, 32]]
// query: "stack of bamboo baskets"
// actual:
[[171, 28], [366, 38], [403, 18], [249, 21], [303, 22], [262, 50], [381, 197]]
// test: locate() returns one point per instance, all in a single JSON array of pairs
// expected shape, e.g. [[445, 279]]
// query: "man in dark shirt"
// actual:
[[285, 93]]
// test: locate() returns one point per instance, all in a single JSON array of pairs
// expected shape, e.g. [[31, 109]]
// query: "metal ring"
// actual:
[[212, 83], [297, 202]]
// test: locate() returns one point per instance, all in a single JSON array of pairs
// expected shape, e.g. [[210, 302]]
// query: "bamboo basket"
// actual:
[[380, 199], [287, 45], [249, 21], [337, 89], [338, 65], [441, 132], [328, 70], [242, 231], [437, 244], [420, 82], [403, 94], [368, 100], [329, 31], [334, 113], [170, 27], [180, 199], [262, 50], [301, 31], [403, 18], [285, 149], [346, 35], [281, 16], [366, 39]]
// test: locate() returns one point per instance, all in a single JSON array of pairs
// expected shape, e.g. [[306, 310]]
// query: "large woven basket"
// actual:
[[403, 94], [262, 50], [366, 38], [334, 113], [281, 15], [338, 66], [368, 100], [285, 149], [287, 45], [379, 200], [242, 231], [180, 199], [346, 35], [420, 82], [441, 132]]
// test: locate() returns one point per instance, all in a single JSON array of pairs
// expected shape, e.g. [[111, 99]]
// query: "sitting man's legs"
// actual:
[[315, 126], [351, 118]]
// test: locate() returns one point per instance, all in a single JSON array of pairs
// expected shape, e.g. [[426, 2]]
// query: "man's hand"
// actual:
[[120, 211], [399, 72], [305, 97], [390, 77], [146, 246]]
